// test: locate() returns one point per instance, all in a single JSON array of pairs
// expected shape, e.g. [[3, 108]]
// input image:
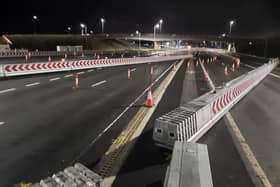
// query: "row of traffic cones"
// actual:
[[233, 67]]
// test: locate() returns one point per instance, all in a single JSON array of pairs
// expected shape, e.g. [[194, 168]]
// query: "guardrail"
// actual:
[[190, 122], [8, 70]]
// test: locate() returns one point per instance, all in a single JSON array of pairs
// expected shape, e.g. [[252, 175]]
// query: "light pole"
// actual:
[[69, 30], [231, 23], [35, 18], [160, 25], [139, 40], [83, 29], [155, 28], [102, 24]]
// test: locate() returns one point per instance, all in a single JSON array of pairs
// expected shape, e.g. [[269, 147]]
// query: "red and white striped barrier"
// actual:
[[36, 68]]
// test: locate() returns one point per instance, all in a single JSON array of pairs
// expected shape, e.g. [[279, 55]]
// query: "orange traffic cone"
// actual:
[[128, 74], [49, 59], [226, 71], [233, 67], [77, 81], [149, 101], [237, 63]]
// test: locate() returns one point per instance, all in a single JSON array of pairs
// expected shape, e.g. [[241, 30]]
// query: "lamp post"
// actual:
[[69, 30], [155, 28], [35, 19], [160, 25], [139, 40], [231, 23], [83, 29], [102, 24]]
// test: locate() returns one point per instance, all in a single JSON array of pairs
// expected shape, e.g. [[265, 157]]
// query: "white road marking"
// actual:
[[70, 75], [90, 70], [32, 84], [54, 79], [271, 74], [99, 83], [134, 69], [120, 115], [80, 73], [2, 123], [8, 90]]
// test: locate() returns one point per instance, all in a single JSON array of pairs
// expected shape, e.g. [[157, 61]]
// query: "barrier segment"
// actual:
[[46, 67], [193, 120]]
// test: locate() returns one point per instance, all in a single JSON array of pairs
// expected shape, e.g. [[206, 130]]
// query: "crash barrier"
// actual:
[[189, 166], [7, 70], [77, 175], [191, 121]]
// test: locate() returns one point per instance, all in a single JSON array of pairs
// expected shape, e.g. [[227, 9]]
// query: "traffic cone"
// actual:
[[77, 81], [237, 63], [149, 101], [128, 74], [65, 55], [205, 79], [26, 57], [75, 53], [233, 67], [174, 67], [196, 63], [49, 59], [226, 71]]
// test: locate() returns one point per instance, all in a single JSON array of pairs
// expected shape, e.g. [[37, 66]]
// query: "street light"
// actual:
[[160, 25], [102, 24], [69, 30], [155, 28], [231, 23], [139, 35], [35, 18], [83, 27]]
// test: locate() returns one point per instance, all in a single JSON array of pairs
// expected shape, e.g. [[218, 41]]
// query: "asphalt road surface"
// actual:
[[146, 165], [46, 124]]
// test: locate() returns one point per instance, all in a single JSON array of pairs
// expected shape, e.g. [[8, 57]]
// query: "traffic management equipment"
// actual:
[[7, 70], [76, 81], [49, 59], [226, 71], [189, 166], [72, 176], [149, 100], [189, 122], [233, 67], [237, 62], [128, 74]]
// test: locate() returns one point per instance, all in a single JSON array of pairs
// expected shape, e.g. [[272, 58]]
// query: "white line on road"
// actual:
[[80, 73], [134, 69], [90, 70], [99, 83], [70, 75], [32, 84], [271, 74], [8, 90], [54, 79], [2, 123]]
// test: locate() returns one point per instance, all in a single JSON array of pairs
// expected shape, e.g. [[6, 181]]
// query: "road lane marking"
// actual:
[[54, 79], [7, 90], [80, 73], [99, 83], [259, 174], [90, 70], [271, 74], [134, 69], [2, 123], [119, 116], [70, 75], [32, 84]]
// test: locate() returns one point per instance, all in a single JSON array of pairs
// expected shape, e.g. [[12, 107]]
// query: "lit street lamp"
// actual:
[[231, 23], [139, 35], [155, 28], [69, 30], [35, 19], [160, 25], [83, 29], [102, 24]]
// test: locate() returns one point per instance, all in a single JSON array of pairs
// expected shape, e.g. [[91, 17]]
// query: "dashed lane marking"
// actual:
[[54, 79], [2, 123], [80, 73], [99, 83], [32, 84], [90, 70], [7, 90], [70, 75], [134, 69], [271, 74]]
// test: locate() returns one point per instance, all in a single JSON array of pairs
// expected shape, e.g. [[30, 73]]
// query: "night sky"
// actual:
[[253, 17]]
